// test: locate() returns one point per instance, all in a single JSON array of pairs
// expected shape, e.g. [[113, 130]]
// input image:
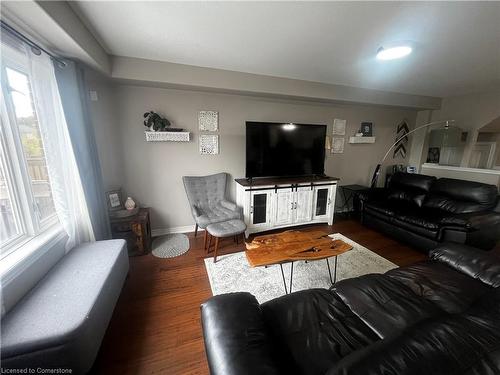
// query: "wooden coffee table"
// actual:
[[294, 245]]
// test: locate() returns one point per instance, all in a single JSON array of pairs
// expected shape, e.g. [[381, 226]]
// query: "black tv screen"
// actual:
[[277, 149]]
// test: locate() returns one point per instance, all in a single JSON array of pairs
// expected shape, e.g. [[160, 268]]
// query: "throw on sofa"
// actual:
[[440, 316], [425, 211]]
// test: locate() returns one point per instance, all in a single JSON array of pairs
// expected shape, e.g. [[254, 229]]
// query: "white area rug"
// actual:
[[232, 273]]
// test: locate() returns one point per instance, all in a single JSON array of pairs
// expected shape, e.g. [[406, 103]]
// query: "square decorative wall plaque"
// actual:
[[209, 144], [339, 126], [208, 121], [337, 145]]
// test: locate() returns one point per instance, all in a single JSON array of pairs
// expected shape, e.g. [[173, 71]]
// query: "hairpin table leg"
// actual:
[[283, 276], [335, 275], [329, 271]]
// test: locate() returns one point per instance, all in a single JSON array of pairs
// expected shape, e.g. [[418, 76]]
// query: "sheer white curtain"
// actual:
[[65, 180]]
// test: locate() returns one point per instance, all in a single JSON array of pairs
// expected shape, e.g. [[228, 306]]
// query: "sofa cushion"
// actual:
[[437, 282], [215, 214], [408, 217], [409, 188], [470, 261], [418, 226], [384, 304], [421, 221], [448, 344], [381, 208], [460, 196], [61, 322], [315, 330], [419, 218]]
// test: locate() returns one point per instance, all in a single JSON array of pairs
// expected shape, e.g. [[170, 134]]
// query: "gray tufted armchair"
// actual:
[[207, 198]]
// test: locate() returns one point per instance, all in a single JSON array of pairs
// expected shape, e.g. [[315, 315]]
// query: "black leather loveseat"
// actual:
[[437, 317], [425, 211]]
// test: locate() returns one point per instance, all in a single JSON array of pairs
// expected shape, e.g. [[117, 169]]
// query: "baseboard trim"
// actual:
[[190, 228], [182, 229]]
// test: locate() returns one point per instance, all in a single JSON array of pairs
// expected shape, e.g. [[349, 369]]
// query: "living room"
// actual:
[[189, 186]]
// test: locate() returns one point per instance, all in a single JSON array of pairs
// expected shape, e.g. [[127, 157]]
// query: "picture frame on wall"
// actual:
[[208, 121], [367, 129], [209, 144], [339, 126], [115, 200], [338, 145], [433, 155]]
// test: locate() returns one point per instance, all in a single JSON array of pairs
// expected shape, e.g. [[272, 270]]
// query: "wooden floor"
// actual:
[[156, 324]]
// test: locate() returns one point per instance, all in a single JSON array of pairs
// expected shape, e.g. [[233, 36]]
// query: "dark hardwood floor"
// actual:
[[156, 324]]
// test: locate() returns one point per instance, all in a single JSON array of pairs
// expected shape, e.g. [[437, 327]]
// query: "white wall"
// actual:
[[470, 112], [152, 172], [106, 120]]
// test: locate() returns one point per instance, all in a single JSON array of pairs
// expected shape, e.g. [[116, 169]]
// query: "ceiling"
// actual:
[[456, 44]]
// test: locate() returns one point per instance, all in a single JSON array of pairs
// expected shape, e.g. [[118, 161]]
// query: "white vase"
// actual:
[[129, 204]]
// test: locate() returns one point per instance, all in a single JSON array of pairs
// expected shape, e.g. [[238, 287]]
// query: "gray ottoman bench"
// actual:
[[61, 322], [231, 228]]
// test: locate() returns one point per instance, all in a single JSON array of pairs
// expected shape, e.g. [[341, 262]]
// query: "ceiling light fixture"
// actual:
[[393, 52], [289, 126]]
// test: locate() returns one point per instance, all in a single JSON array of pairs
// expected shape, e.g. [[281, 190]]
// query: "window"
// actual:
[[26, 201]]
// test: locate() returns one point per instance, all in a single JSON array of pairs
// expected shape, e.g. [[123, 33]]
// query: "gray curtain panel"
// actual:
[[73, 90]]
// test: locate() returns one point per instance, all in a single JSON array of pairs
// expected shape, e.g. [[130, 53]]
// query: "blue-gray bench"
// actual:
[[61, 322]]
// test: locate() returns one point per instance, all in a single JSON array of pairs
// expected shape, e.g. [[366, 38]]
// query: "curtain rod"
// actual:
[[35, 48]]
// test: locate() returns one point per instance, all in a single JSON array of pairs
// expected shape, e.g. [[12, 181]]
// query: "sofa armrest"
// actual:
[[471, 261], [229, 205], [472, 221], [372, 194], [236, 340], [497, 207]]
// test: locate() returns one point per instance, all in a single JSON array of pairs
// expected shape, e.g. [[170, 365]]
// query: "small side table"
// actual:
[[349, 194], [136, 230]]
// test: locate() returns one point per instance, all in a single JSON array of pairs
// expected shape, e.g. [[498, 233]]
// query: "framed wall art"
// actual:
[[339, 126], [208, 121], [338, 145], [209, 144]]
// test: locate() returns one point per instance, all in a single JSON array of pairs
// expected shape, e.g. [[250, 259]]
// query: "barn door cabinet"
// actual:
[[277, 203]]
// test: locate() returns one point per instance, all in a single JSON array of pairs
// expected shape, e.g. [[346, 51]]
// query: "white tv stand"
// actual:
[[271, 203]]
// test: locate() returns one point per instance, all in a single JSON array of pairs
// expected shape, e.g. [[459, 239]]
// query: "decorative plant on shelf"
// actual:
[[155, 122]]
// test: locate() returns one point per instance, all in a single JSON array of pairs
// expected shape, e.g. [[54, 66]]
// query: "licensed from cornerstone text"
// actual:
[[35, 370]]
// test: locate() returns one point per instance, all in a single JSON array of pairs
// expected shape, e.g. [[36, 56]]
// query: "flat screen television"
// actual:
[[279, 150]]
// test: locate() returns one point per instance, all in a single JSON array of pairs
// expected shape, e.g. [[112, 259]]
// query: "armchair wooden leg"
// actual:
[[216, 247], [195, 230], [205, 239], [209, 243]]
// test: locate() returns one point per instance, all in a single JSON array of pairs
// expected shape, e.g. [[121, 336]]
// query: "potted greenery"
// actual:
[[156, 123]]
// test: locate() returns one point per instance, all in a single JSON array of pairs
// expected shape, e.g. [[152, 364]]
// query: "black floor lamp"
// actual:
[[377, 169]]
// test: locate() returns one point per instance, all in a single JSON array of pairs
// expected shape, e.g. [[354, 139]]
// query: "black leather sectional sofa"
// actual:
[[437, 317], [424, 211]]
